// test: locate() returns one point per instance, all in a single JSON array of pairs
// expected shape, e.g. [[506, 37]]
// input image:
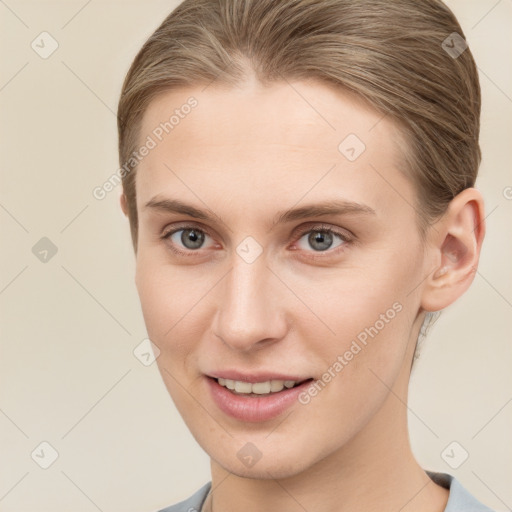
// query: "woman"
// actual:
[[299, 179]]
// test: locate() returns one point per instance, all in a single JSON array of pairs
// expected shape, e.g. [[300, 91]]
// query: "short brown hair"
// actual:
[[394, 54]]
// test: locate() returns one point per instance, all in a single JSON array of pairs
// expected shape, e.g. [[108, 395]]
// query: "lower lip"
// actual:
[[251, 408]]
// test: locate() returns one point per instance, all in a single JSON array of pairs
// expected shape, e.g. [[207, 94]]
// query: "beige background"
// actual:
[[68, 375]]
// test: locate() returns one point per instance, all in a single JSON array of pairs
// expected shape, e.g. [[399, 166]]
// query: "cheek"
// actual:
[[371, 336], [162, 301], [157, 300], [174, 305], [359, 366], [170, 306], [370, 310], [369, 296]]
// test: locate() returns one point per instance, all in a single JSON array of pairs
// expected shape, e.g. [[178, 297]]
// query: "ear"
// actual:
[[455, 243], [124, 203]]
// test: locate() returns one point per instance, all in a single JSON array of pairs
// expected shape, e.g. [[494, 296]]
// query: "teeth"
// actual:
[[262, 388], [276, 385], [258, 388], [243, 387]]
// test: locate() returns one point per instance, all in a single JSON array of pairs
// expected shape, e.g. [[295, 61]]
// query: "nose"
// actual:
[[251, 312]]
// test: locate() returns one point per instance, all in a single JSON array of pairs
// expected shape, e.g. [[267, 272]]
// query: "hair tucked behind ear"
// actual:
[[430, 319]]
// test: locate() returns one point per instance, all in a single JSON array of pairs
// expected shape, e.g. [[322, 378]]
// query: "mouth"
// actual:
[[255, 401]]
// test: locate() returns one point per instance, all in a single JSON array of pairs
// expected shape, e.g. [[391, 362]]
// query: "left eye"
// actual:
[[322, 239]]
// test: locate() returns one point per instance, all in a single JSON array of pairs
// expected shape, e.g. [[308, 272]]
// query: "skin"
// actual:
[[245, 154]]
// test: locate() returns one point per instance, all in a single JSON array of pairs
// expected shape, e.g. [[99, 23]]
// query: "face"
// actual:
[[274, 246]]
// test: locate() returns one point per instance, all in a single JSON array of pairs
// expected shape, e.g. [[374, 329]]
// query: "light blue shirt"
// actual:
[[459, 499]]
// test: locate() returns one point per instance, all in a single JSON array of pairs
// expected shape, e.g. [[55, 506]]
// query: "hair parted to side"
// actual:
[[388, 52]]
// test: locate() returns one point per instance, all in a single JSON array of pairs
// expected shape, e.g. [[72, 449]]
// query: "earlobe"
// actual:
[[124, 204], [455, 250]]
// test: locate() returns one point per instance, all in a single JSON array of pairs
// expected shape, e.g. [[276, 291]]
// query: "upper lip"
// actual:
[[261, 376]]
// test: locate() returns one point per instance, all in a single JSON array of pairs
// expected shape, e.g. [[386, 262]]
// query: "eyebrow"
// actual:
[[330, 207]]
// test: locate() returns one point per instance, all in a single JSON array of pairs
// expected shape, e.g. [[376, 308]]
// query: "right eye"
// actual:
[[185, 240]]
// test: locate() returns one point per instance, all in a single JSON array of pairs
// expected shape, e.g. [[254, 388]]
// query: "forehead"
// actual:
[[306, 114], [288, 134]]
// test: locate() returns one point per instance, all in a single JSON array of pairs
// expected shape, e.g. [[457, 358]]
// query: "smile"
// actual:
[[254, 401], [257, 388]]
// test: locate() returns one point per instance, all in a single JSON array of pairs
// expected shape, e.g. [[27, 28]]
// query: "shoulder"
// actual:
[[192, 504], [459, 499]]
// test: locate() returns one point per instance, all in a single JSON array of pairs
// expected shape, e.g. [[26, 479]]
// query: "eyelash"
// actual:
[[322, 228]]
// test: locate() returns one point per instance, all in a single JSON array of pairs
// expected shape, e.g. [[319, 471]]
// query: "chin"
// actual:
[[265, 469], [271, 458]]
